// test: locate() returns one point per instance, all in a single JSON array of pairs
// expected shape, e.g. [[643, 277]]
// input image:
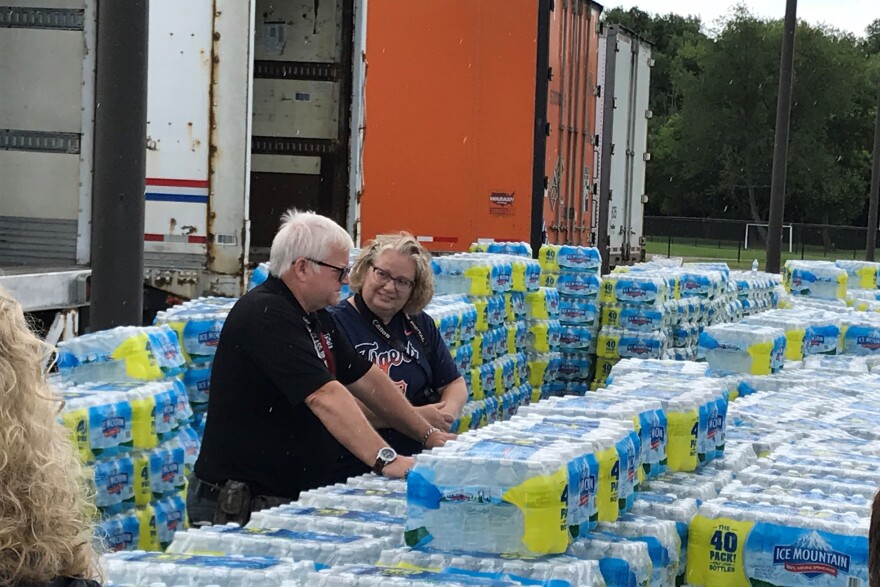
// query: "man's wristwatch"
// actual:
[[384, 457]]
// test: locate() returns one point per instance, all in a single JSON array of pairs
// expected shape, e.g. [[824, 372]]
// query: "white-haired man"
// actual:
[[281, 405]]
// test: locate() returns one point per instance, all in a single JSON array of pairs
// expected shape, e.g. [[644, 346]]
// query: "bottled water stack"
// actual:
[[320, 547], [732, 348], [506, 494], [149, 568], [559, 569], [125, 353], [198, 324], [647, 415], [622, 561], [664, 544], [696, 412], [815, 279], [797, 499], [860, 274], [520, 249], [574, 272], [668, 507], [776, 545], [369, 576], [356, 498], [334, 520], [634, 319]]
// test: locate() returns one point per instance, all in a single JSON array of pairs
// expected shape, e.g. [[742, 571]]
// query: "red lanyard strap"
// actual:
[[322, 349]]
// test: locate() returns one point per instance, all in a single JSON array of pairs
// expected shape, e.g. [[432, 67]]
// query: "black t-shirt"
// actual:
[[259, 429]]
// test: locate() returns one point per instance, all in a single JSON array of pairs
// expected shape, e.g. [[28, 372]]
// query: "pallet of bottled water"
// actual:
[[616, 447], [481, 274], [125, 353], [369, 576], [151, 568], [374, 499], [514, 489], [668, 507], [840, 499], [556, 570], [662, 538], [647, 416], [664, 366], [622, 561], [740, 543], [860, 274], [815, 279], [322, 548], [335, 520], [740, 348], [696, 412]]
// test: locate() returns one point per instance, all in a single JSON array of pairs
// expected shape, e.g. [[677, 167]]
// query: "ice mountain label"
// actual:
[[811, 556]]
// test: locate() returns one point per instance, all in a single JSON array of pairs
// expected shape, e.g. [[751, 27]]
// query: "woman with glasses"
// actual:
[[393, 282]]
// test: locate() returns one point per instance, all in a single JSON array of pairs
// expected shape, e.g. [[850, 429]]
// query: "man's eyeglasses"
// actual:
[[343, 271], [383, 277]]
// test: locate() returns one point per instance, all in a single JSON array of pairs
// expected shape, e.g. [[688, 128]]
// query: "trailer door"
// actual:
[[301, 113]]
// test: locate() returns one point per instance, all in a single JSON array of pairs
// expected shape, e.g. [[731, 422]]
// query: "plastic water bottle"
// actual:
[[755, 267]]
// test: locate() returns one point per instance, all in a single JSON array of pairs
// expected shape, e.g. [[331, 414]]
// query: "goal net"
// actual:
[[756, 236]]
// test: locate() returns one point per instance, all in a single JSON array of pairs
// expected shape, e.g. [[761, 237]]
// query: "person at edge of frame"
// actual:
[[47, 533]]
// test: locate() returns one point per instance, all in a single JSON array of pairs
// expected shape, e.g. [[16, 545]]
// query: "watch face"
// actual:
[[387, 454]]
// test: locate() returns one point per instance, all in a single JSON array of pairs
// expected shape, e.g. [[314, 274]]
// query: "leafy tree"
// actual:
[[872, 37], [714, 101]]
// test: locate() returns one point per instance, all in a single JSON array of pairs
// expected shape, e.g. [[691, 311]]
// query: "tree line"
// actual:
[[713, 99]]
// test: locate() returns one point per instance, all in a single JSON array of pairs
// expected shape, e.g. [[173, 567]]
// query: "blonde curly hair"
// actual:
[[45, 516], [406, 244]]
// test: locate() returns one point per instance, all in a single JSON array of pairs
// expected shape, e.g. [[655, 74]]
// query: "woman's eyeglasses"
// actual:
[[383, 277]]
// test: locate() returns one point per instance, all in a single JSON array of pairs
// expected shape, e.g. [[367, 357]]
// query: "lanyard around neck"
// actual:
[[386, 333], [322, 349]]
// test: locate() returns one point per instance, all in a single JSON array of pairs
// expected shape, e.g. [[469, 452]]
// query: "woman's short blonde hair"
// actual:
[[406, 244], [45, 516]]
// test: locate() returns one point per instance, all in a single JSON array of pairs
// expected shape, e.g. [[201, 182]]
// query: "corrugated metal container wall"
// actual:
[[450, 120], [571, 112]]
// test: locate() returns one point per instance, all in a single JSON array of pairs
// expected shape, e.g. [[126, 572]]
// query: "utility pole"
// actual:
[[780, 148], [875, 187], [117, 296]]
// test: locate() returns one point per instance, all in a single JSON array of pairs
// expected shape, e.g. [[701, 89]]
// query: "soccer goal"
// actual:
[[752, 234]]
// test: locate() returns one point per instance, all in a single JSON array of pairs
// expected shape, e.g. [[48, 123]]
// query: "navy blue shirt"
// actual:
[[419, 379], [434, 368]]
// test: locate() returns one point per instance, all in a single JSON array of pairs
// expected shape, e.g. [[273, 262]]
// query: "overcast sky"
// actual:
[[849, 15]]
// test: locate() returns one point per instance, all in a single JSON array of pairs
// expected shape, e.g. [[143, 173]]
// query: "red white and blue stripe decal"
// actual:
[[189, 191], [181, 191]]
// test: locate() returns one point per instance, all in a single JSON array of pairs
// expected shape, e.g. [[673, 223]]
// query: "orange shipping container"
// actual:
[[460, 142], [571, 112]]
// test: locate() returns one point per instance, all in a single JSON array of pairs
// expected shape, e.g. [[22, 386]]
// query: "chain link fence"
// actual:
[[721, 239]]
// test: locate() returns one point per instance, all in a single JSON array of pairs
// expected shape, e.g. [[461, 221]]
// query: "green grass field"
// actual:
[[727, 252]]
